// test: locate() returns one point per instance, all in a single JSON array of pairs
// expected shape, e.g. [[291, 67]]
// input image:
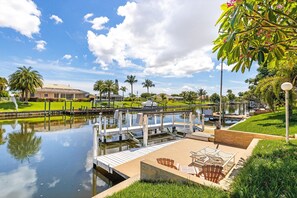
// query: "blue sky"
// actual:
[[77, 42]]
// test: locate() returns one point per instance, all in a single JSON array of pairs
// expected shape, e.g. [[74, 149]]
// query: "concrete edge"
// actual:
[[118, 187], [252, 133]]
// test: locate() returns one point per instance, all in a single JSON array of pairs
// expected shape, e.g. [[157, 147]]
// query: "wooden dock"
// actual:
[[108, 162]]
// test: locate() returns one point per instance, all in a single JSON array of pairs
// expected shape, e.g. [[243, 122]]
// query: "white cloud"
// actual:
[[187, 88], [20, 15], [166, 37], [40, 45], [56, 19], [67, 56], [22, 183], [225, 67], [98, 22], [53, 183]]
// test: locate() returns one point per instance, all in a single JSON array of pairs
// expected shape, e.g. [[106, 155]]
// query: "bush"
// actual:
[[145, 95], [4, 94]]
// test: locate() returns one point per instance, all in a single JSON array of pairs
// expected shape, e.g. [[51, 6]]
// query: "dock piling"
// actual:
[[191, 122], [95, 140], [202, 123], [145, 130]]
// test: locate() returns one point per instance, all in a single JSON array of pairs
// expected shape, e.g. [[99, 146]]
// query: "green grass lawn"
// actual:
[[161, 190], [268, 123], [38, 106], [270, 172]]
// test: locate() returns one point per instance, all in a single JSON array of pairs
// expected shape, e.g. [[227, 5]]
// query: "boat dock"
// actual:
[[108, 162]]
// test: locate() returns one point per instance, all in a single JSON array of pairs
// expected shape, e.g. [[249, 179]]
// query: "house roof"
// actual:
[[58, 88]]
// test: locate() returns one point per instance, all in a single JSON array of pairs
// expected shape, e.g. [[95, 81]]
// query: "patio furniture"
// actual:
[[168, 162], [202, 156], [212, 173], [189, 169], [211, 156]]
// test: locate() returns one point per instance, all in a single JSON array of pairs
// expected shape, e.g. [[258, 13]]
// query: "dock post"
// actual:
[[162, 121], [173, 119], [145, 130], [120, 124], [155, 118], [44, 107], [95, 140], [184, 122], [202, 123], [105, 123], [49, 107], [199, 121], [191, 122], [130, 119]]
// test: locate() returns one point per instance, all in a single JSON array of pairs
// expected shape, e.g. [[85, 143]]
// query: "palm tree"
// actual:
[[2, 139], [100, 87], [201, 94], [148, 83], [3, 83], [26, 80], [110, 86], [123, 89], [23, 145], [131, 80]]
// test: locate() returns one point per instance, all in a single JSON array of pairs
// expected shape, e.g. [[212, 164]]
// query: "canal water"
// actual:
[[52, 157]]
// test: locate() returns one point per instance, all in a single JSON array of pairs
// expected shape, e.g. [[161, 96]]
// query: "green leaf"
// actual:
[[260, 57]]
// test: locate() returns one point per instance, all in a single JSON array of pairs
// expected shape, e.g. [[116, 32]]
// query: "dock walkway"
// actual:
[[108, 162]]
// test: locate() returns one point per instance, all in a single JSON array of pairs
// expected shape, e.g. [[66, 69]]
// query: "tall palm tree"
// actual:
[[100, 87], [26, 80], [23, 145], [131, 80], [3, 83], [123, 89], [148, 83], [110, 86], [201, 94]]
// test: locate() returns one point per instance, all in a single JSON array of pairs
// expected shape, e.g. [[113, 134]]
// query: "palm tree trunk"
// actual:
[[26, 96], [108, 98], [23, 95], [148, 91], [131, 90], [100, 96]]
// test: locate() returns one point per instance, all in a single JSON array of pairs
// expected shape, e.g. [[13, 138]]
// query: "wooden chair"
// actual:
[[212, 173], [168, 162]]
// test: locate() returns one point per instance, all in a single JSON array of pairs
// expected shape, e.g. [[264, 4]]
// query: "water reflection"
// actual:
[[2, 138], [23, 145]]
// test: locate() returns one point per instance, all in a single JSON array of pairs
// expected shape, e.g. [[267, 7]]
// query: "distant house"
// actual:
[[59, 91], [113, 97]]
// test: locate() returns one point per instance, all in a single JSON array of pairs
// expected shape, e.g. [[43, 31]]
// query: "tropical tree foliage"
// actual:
[[2, 139], [100, 87], [262, 31], [3, 84], [148, 84], [131, 80], [163, 99], [215, 98], [189, 96], [23, 145], [109, 87], [123, 89], [201, 93], [230, 95], [25, 80], [117, 88]]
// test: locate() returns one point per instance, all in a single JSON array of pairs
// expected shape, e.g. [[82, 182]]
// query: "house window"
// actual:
[[32, 95], [45, 95], [56, 95]]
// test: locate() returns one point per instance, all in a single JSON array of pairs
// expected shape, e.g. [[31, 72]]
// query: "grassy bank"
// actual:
[[39, 106], [161, 190], [270, 172], [268, 123]]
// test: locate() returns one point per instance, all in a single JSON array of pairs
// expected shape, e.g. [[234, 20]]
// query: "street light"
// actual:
[[287, 87]]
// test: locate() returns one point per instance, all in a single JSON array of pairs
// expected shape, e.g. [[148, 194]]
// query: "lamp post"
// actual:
[[287, 87]]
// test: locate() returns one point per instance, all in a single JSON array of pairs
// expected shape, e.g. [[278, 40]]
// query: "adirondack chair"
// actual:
[[168, 162], [212, 173]]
